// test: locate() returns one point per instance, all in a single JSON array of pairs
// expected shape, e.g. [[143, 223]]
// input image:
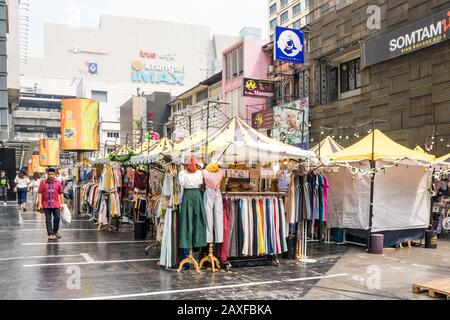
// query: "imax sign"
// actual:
[[157, 73], [157, 77]]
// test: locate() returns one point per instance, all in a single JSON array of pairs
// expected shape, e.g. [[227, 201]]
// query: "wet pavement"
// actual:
[[90, 264]]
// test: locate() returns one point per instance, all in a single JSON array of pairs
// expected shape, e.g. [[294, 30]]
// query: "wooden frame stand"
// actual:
[[189, 259], [211, 258]]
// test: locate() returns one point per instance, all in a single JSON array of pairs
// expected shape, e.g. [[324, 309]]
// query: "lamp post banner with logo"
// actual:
[[289, 45]]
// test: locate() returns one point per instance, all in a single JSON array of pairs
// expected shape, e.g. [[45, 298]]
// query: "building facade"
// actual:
[[188, 111], [372, 64], [245, 59], [288, 13], [362, 71], [120, 57]]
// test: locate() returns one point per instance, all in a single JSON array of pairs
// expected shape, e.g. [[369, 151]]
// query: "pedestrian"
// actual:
[[22, 182], [34, 187], [58, 177], [4, 187], [50, 200]]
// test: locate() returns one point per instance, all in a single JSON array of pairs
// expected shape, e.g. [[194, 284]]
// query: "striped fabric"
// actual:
[[327, 147]]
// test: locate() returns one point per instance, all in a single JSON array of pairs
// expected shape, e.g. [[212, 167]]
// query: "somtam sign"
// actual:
[[413, 37]]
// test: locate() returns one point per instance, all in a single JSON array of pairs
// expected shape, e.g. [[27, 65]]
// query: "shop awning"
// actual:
[[421, 150], [163, 145], [445, 158], [327, 147], [378, 146]]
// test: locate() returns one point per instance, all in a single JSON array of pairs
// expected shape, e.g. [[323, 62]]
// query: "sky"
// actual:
[[222, 16]]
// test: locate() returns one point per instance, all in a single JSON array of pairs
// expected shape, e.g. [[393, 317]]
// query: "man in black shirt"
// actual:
[[4, 186]]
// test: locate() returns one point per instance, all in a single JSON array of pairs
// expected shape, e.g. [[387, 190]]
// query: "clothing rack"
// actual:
[[231, 193]]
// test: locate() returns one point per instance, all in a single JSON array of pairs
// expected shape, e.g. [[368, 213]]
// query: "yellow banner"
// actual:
[[49, 152], [35, 166], [79, 125], [30, 168]]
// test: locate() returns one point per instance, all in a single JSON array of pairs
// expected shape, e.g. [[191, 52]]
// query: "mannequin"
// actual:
[[192, 211], [212, 199]]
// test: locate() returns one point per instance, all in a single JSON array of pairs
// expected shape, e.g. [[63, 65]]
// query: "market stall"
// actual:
[[241, 184], [327, 147], [380, 186]]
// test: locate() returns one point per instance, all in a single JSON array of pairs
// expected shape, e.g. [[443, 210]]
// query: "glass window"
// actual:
[[273, 8], [234, 62], [228, 66], [350, 75], [284, 16], [273, 23], [100, 96], [325, 8], [241, 60], [187, 101], [202, 95], [309, 18], [296, 9], [297, 25], [283, 3]]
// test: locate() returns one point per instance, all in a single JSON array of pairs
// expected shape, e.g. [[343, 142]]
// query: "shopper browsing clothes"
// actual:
[[21, 188], [34, 187], [4, 187], [50, 199]]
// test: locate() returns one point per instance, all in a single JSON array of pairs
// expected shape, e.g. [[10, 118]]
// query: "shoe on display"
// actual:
[[51, 237], [57, 235], [4, 203]]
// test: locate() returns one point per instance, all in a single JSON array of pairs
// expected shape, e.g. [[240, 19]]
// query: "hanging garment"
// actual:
[[233, 240], [140, 180], [261, 246], [166, 242], [255, 228], [167, 188], [326, 186], [107, 181], [283, 230], [223, 248], [306, 199], [214, 215], [192, 220], [292, 200], [117, 170]]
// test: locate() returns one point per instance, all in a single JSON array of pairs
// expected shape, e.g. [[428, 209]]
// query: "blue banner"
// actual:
[[289, 45]]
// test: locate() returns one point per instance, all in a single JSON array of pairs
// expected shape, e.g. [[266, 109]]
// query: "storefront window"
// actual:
[[350, 75]]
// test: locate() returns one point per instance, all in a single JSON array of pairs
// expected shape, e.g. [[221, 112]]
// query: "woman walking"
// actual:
[[22, 183], [34, 187]]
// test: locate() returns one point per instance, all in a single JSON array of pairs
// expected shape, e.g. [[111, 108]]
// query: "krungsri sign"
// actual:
[[415, 36]]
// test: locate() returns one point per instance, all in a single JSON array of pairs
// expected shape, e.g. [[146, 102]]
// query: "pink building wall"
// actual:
[[256, 62]]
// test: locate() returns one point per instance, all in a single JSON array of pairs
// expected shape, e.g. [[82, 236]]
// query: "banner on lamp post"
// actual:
[[79, 125]]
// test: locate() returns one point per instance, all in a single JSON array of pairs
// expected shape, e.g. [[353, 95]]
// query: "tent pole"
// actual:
[[372, 183]]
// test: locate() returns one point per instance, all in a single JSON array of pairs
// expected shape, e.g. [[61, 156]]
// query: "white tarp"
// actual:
[[348, 199], [401, 198]]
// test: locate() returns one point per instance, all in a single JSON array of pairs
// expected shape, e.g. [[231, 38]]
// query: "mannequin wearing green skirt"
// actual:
[[192, 232]]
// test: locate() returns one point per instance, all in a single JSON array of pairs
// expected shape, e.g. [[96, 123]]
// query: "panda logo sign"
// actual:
[[92, 67], [289, 45]]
